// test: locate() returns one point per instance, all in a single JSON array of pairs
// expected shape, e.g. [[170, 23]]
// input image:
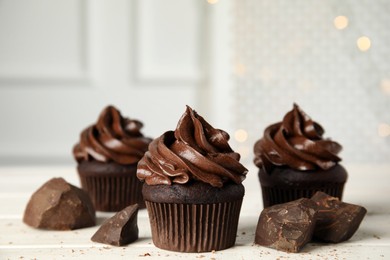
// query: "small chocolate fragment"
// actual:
[[58, 205], [336, 221], [121, 229], [288, 226]]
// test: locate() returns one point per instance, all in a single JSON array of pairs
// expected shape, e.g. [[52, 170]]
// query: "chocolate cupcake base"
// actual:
[[194, 227], [285, 184], [111, 186], [193, 217]]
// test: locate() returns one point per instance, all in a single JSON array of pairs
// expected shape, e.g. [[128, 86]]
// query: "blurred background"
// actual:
[[240, 63]]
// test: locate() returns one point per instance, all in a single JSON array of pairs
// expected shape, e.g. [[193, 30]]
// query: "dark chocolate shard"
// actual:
[[288, 226], [58, 205], [121, 229], [336, 221]]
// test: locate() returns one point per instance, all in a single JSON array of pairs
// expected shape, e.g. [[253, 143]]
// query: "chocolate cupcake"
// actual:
[[295, 161], [192, 189], [107, 156]]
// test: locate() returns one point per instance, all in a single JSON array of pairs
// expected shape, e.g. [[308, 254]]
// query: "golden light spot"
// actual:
[[364, 43], [384, 130], [340, 22], [212, 1], [241, 135], [240, 69], [385, 86]]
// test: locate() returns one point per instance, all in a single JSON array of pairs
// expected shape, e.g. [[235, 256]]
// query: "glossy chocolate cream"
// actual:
[[296, 142], [112, 138], [194, 151]]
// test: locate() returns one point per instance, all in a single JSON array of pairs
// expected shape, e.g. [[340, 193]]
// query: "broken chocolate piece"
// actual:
[[121, 229], [288, 226], [58, 205], [336, 221]]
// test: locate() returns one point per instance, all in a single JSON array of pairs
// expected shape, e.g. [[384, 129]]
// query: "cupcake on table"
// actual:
[[193, 190], [295, 161], [107, 156]]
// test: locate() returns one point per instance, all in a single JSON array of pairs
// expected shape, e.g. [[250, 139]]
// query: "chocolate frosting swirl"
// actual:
[[296, 142], [194, 151], [112, 138]]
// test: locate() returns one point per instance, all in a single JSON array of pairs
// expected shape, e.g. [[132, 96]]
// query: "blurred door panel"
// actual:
[[62, 61]]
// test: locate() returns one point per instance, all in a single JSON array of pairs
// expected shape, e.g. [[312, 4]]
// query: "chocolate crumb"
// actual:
[[376, 236], [146, 254], [243, 233]]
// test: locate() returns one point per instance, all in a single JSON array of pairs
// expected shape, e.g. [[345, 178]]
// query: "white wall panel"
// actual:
[[83, 55], [168, 37], [42, 39]]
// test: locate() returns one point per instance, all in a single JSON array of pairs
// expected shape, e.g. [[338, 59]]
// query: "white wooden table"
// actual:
[[368, 185]]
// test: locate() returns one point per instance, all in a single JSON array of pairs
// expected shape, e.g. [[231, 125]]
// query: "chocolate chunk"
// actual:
[[121, 229], [59, 205], [287, 227], [336, 221]]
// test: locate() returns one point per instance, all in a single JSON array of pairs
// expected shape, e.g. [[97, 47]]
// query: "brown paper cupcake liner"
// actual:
[[194, 227], [277, 195], [113, 193]]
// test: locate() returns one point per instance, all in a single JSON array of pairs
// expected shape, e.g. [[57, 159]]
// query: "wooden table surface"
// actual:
[[368, 185]]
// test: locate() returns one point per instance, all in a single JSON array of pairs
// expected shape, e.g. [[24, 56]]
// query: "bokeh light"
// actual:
[[212, 1], [241, 135], [340, 22], [364, 43], [384, 130], [385, 86]]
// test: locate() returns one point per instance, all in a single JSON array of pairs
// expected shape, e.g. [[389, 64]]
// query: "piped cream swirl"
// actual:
[[296, 142], [112, 138], [194, 151]]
